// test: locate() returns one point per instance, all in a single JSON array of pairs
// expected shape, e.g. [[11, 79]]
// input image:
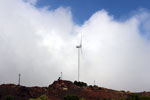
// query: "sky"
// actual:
[[83, 9], [38, 39]]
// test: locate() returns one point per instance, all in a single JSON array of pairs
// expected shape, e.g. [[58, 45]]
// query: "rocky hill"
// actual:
[[59, 89]]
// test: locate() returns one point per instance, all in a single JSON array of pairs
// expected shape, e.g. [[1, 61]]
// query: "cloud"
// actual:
[[117, 52], [40, 43], [32, 2]]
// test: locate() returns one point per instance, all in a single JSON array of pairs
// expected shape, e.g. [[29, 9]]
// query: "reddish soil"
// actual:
[[59, 89]]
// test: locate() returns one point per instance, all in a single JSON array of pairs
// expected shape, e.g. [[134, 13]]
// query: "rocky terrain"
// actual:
[[59, 89]]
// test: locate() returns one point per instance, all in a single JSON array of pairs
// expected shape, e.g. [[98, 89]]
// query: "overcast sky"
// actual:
[[39, 43]]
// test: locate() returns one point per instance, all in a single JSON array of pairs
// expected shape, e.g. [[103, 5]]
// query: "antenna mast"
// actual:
[[61, 75], [19, 79]]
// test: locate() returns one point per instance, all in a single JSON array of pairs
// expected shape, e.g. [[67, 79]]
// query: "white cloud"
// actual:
[[40, 43], [33, 2], [117, 52]]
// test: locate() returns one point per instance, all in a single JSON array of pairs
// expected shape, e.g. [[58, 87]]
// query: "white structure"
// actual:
[[79, 47]]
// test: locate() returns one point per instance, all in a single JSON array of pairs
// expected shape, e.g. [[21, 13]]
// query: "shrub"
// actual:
[[82, 99], [32, 99], [9, 97], [81, 84], [71, 97], [120, 99], [122, 91], [42, 97], [135, 96], [145, 98], [104, 99]]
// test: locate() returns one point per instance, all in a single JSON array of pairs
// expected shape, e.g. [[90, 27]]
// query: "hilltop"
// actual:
[[58, 89]]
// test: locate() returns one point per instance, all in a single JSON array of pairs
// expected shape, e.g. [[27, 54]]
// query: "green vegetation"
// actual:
[[121, 99], [113, 99], [135, 96], [42, 97], [9, 97], [72, 97], [104, 99], [123, 91], [81, 84], [82, 99]]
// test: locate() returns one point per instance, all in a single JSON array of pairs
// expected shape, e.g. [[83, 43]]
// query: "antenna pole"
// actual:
[[61, 75], [19, 79]]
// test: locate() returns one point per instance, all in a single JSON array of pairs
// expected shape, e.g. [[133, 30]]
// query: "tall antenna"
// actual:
[[61, 75], [79, 47], [19, 79]]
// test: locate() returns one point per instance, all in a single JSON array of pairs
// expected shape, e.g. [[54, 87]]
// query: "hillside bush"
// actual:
[[42, 97], [71, 97], [145, 97], [9, 97], [81, 84], [135, 96], [121, 99], [104, 99]]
